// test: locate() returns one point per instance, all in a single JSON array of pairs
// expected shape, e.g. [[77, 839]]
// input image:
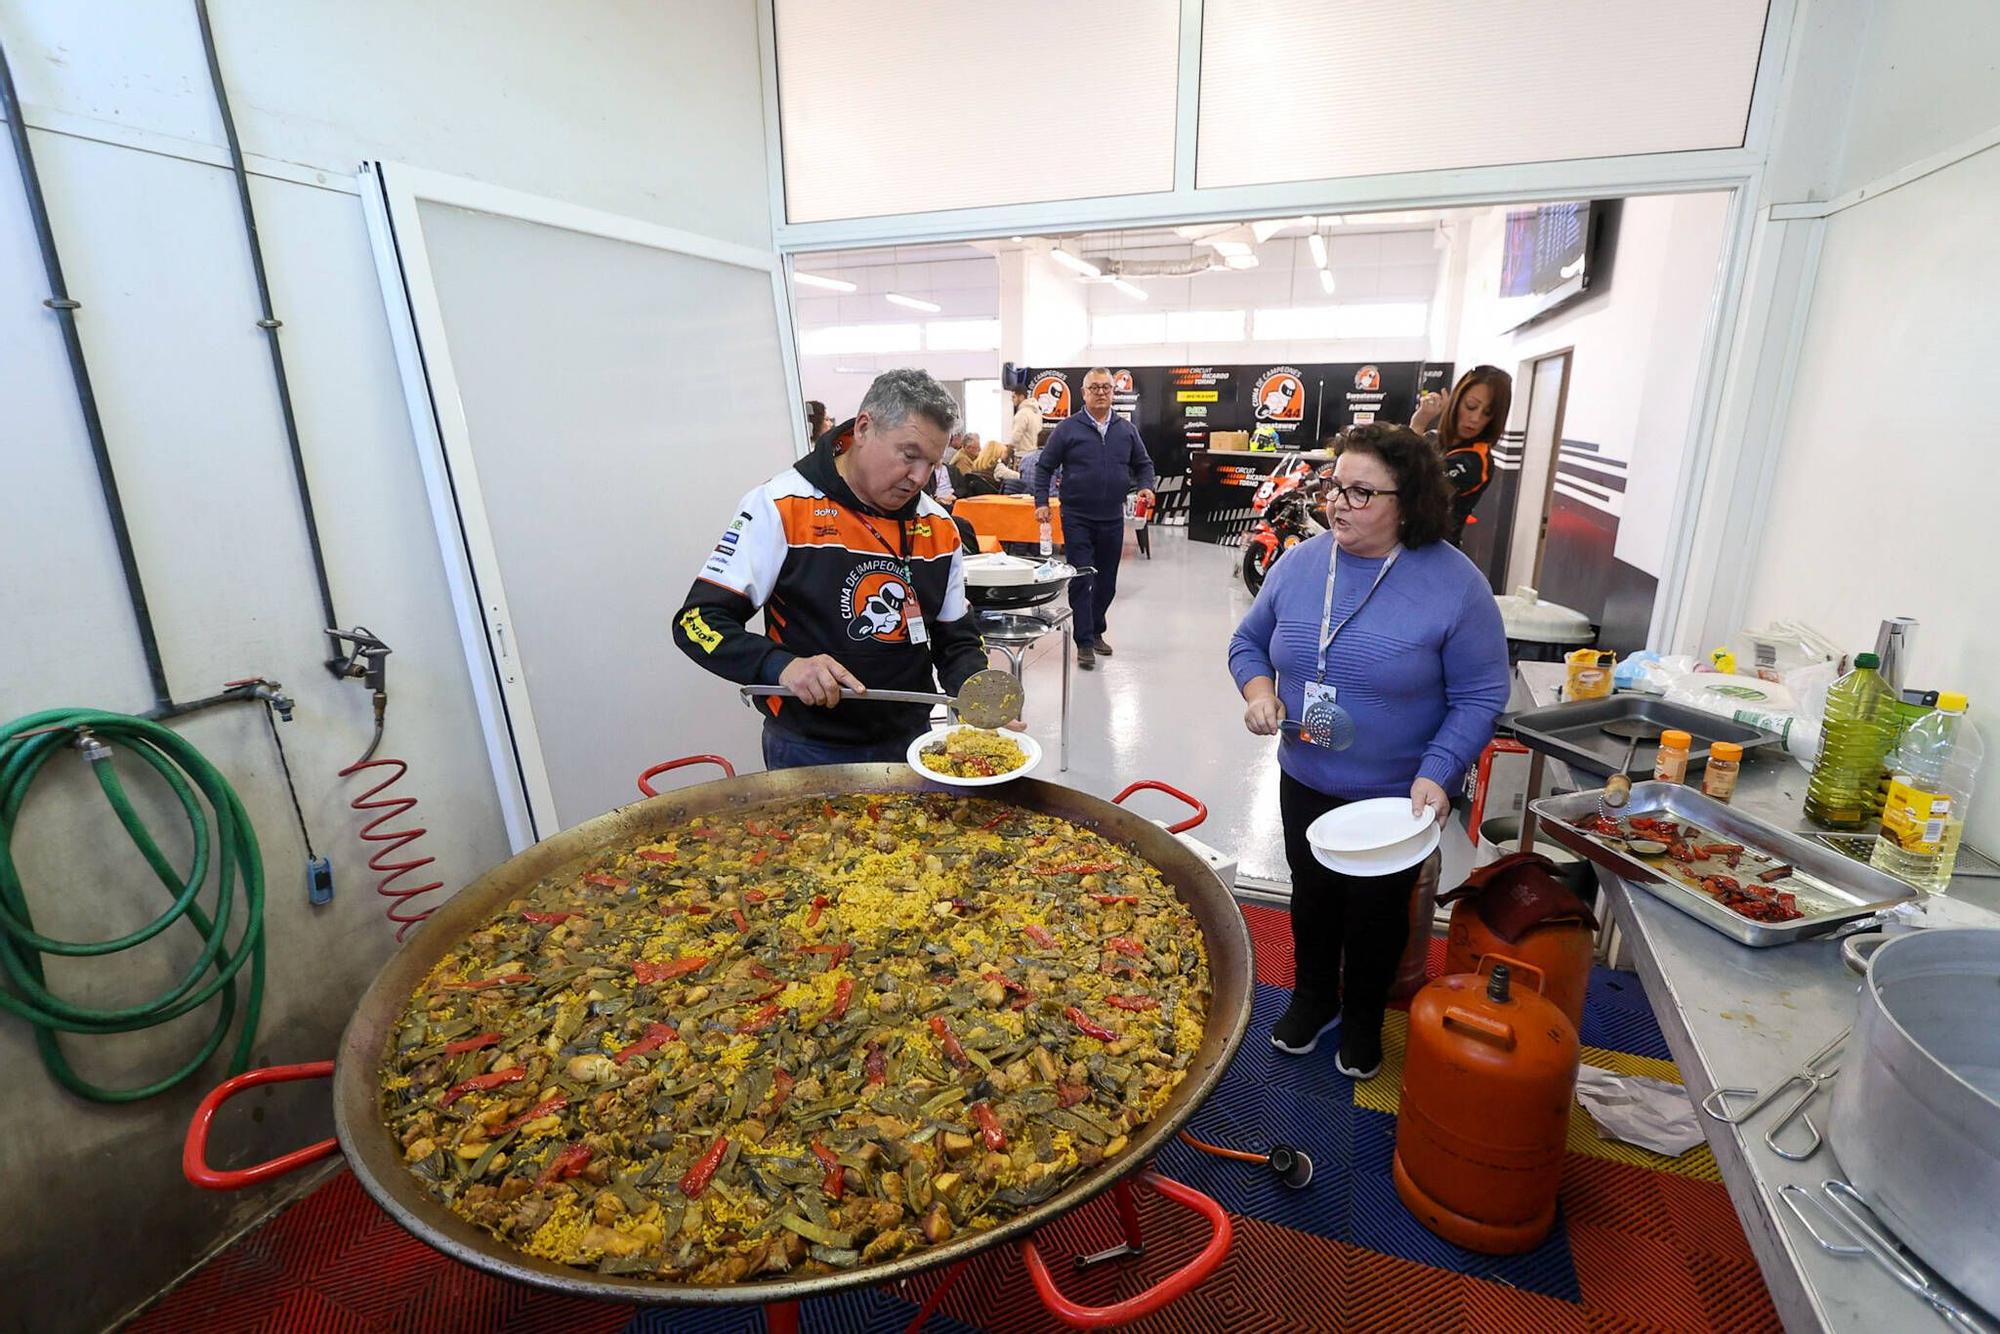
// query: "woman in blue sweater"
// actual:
[[1418, 659]]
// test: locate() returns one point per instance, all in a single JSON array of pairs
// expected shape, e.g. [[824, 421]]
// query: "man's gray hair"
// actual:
[[1105, 371], [896, 394]]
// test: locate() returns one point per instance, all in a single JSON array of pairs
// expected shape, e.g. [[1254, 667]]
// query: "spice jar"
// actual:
[[1725, 762], [1671, 764]]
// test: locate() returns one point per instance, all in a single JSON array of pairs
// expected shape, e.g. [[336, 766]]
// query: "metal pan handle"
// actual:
[[194, 1154], [1857, 950], [645, 779], [1200, 807], [1170, 1289]]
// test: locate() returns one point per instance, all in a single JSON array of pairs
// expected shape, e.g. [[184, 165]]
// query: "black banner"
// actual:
[[1177, 408]]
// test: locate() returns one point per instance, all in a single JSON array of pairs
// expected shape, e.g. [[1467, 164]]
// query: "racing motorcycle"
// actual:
[[1289, 511]]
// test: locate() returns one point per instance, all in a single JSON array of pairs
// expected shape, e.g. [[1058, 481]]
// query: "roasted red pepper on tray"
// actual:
[[1085, 1026], [568, 1163], [696, 1180], [843, 995], [481, 1084], [655, 1036]]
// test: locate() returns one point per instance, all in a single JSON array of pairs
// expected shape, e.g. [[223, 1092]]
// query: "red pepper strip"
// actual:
[[1125, 945], [760, 856], [819, 906], [697, 1178], [530, 915], [760, 999], [836, 1175], [504, 980], [742, 922], [698, 910], [705, 832], [605, 881], [647, 970], [953, 1052], [781, 1088], [836, 954], [754, 896], [655, 1036], [464, 1045], [875, 1064], [759, 970], [568, 1163], [1132, 1002], [759, 1021], [481, 1084], [996, 820], [843, 992], [750, 828], [1109, 900], [657, 855], [826, 807], [1077, 868], [875, 811], [1069, 1095], [535, 1113], [777, 833], [1087, 1028], [1039, 934], [989, 1126]]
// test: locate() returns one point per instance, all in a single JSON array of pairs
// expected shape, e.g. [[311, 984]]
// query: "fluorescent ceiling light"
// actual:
[[1318, 245], [1240, 261], [912, 303], [1017, 239], [838, 339], [820, 280], [962, 335], [1080, 265], [1326, 281], [1137, 293]]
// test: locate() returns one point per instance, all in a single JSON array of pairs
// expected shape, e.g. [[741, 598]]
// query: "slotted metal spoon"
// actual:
[[989, 699]]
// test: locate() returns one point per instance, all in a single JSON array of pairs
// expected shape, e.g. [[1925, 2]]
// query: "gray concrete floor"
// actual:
[[1164, 707]]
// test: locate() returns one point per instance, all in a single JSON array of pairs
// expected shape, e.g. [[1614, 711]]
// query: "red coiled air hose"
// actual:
[[384, 862]]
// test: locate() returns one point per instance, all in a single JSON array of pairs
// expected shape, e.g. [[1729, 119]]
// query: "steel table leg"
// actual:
[[1536, 761], [1067, 655]]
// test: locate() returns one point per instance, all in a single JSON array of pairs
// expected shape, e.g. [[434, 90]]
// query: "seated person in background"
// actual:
[[1020, 480], [978, 475]]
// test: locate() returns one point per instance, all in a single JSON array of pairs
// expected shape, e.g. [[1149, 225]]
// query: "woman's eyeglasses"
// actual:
[[1356, 497]]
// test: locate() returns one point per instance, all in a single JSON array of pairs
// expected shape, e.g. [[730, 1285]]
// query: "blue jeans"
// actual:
[[786, 749], [1099, 543]]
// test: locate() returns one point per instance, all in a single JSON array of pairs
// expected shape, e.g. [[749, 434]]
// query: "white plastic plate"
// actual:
[[1364, 826], [1383, 861], [1029, 747]]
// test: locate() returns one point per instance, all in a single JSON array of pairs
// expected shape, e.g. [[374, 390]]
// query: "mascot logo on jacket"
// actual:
[[874, 604]]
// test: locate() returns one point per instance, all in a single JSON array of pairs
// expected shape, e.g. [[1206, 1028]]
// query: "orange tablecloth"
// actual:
[[1008, 518]]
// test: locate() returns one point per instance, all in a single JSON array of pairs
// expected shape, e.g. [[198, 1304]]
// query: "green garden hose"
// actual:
[[221, 830]]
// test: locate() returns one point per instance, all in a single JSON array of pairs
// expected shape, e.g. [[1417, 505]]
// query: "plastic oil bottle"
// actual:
[[1932, 773], [1860, 726]]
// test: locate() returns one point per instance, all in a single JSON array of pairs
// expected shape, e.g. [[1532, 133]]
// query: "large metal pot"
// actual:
[[1916, 1110], [376, 1158]]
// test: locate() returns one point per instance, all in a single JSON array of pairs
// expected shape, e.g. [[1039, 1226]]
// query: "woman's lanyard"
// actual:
[[1328, 631]]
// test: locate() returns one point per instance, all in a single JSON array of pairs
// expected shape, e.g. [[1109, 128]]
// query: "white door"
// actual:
[[594, 396], [1548, 380]]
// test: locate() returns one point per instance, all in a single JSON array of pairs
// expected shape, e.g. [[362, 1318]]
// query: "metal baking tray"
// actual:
[[1573, 732], [1831, 888]]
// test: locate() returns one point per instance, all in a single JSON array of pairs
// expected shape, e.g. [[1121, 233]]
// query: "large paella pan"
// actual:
[[378, 1145]]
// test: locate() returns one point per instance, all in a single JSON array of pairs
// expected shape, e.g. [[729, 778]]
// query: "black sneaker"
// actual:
[[1360, 1054], [1086, 659], [1298, 1031], [1103, 646]]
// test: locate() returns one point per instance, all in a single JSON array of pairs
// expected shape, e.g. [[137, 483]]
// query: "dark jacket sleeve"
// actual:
[[712, 626], [1051, 459]]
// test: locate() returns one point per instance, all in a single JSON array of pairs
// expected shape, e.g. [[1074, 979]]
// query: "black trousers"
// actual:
[[1099, 543], [1348, 932]]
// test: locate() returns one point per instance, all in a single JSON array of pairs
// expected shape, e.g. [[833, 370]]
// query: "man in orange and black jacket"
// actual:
[[859, 576]]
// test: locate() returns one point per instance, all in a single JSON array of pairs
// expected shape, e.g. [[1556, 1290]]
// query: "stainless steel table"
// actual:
[[1013, 633], [1736, 1016]]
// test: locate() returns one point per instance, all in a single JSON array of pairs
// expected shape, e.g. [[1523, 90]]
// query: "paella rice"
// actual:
[[973, 752], [808, 1037]]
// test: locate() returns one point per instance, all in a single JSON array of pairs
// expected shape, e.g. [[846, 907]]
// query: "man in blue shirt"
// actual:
[[1101, 458]]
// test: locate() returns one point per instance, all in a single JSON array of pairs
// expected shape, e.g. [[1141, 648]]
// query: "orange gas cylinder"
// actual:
[[1561, 950], [1488, 1077]]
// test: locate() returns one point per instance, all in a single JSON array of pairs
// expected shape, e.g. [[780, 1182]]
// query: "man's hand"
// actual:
[[818, 680], [1424, 793], [1146, 495], [1041, 514], [1016, 726], [1264, 715]]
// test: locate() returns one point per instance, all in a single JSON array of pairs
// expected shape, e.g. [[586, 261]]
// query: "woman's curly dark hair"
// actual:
[[1421, 488]]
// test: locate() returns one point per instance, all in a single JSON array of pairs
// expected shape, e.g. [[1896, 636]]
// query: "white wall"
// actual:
[[963, 288], [1880, 503], [1632, 376], [516, 93]]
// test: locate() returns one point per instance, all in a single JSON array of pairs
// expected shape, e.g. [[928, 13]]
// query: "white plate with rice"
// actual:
[[937, 735]]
